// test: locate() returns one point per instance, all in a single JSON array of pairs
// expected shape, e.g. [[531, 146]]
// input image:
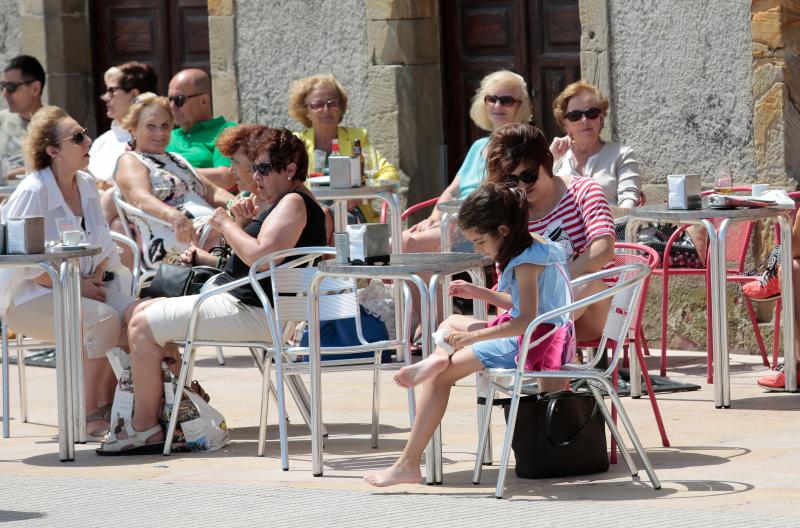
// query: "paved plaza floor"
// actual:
[[733, 467]]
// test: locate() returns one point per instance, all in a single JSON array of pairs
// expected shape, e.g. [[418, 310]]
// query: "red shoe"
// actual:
[[776, 380], [763, 292]]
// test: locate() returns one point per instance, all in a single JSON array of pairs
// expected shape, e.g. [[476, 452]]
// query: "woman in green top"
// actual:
[[502, 98]]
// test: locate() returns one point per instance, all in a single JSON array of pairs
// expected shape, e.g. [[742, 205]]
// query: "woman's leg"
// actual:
[[430, 409], [590, 321]]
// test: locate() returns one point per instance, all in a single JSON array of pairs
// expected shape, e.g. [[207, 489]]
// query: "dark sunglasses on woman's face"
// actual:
[[528, 176], [77, 137], [180, 100], [12, 86], [590, 113], [504, 100], [263, 168]]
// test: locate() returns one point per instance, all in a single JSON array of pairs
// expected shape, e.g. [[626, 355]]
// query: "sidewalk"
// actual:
[[735, 467]]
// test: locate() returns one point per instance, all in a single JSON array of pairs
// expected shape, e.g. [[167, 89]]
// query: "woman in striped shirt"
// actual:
[[569, 210]]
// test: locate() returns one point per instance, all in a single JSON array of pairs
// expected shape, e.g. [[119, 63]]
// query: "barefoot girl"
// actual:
[[495, 218]]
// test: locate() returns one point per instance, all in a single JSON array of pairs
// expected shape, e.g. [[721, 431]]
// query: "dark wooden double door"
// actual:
[[170, 35], [539, 39]]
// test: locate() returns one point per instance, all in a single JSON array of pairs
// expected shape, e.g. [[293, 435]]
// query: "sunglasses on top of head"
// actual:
[[528, 176], [12, 86], [78, 137], [590, 113], [180, 100], [504, 100]]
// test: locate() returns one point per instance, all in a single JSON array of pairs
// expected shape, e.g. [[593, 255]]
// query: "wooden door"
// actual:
[[539, 39], [170, 35]]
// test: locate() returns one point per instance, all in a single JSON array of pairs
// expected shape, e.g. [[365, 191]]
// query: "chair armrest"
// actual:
[[417, 207], [119, 238]]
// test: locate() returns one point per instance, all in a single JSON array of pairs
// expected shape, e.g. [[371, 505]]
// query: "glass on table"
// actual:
[[370, 164], [723, 180]]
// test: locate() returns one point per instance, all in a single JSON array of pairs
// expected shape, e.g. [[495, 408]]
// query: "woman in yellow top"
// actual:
[[319, 103]]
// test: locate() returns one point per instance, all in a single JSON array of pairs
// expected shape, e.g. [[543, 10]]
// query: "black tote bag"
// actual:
[[559, 435]]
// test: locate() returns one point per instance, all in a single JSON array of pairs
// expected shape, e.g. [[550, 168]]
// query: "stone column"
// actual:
[[57, 33], [222, 49], [405, 106], [595, 55]]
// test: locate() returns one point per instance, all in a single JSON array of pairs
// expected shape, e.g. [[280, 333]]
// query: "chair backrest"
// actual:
[[625, 253], [129, 214]]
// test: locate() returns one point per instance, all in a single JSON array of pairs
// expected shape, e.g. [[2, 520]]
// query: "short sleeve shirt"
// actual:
[[473, 170], [198, 145], [12, 131], [581, 216]]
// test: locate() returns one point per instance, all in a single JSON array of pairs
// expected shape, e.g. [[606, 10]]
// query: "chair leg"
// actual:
[[376, 399], [759, 339], [483, 436], [643, 341], [612, 427], [266, 381], [652, 395], [6, 419], [282, 429], [23, 385], [626, 422], [664, 305], [509, 437], [220, 356], [612, 458], [776, 338]]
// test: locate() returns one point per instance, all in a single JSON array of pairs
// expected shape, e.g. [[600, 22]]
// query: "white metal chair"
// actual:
[[23, 343], [338, 300], [624, 299]]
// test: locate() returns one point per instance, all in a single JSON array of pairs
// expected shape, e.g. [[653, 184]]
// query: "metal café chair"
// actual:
[[339, 300], [624, 296]]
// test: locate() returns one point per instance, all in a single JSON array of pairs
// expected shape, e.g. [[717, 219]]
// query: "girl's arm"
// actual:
[[467, 290], [527, 276]]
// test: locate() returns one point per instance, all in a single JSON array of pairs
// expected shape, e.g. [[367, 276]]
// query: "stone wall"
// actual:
[[9, 33], [278, 42]]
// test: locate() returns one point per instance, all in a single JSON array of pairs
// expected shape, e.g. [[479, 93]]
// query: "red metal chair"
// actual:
[[737, 244], [625, 253], [411, 210]]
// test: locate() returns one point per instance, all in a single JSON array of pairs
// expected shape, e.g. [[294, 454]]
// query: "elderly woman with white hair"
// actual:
[[502, 98]]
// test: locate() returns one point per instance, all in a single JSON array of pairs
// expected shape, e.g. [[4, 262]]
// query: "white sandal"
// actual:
[[134, 444]]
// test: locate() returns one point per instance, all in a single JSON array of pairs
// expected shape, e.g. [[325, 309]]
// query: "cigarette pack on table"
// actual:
[[684, 191], [25, 236], [344, 172]]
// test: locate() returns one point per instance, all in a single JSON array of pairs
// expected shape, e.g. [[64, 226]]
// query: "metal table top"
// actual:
[[450, 206], [661, 212], [351, 193], [49, 256], [443, 263]]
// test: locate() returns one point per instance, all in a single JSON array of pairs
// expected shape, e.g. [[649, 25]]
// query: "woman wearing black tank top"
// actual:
[[295, 220]]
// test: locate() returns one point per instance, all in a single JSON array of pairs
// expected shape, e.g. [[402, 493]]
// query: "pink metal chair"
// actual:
[[411, 210], [737, 244]]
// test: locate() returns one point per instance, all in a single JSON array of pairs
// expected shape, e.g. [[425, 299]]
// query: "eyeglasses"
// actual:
[[528, 176], [504, 100], [263, 168], [590, 113], [319, 105], [12, 86], [111, 90], [180, 100], [77, 137]]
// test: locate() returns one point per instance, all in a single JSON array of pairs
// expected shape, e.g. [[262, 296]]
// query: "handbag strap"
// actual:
[[548, 420]]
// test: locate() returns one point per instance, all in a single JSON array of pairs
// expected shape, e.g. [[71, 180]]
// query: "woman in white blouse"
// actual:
[[57, 151], [581, 110]]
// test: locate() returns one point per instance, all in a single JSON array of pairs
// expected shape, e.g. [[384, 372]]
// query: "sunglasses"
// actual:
[[590, 113], [180, 100], [78, 137], [504, 100], [528, 176], [12, 86], [111, 90], [319, 105], [263, 168]]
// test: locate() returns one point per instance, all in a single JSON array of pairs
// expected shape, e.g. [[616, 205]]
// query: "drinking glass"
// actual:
[[723, 180], [370, 164]]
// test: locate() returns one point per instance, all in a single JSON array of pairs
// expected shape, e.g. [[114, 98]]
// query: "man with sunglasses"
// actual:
[[195, 136], [22, 85]]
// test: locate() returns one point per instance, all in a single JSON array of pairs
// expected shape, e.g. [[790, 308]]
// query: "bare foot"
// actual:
[[424, 370], [396, 474]]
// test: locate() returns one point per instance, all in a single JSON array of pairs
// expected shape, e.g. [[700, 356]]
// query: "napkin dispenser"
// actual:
[[369, 243], [683, 191], [345, 172], [25, 236]]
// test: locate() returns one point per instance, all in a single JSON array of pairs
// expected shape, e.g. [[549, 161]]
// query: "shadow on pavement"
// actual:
[[11, 516]]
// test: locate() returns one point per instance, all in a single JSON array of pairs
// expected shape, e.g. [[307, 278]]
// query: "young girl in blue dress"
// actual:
[[495, 218]]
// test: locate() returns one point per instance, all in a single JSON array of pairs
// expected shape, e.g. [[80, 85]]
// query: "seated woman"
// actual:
[[319, 103], [502, 98], [163, 184], [570, 210], [295, 220], [581, 109], [57, 150]]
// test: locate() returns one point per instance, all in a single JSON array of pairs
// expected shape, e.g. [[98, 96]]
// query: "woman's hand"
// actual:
[[560, 146], [428, 223], [459, 340], [93, 288], [219, 219], [463, 289], [183, 227], [195, 256], [244, 210]]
